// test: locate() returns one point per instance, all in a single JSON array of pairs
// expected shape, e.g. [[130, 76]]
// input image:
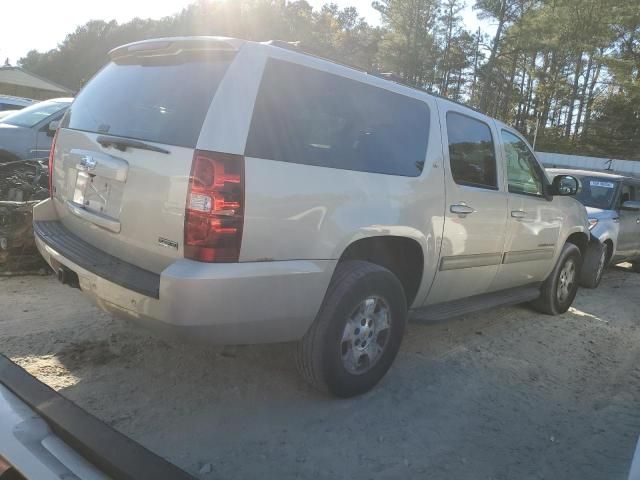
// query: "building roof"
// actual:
[[22, 78]]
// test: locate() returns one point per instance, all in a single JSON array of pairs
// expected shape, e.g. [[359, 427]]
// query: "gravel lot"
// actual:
[[506, 394]]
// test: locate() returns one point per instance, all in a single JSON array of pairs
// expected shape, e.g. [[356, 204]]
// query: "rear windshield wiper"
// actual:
[[122, 144]]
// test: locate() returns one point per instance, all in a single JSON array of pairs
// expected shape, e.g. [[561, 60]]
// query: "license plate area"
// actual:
[[96, 185], [91, 192], [98, 194]]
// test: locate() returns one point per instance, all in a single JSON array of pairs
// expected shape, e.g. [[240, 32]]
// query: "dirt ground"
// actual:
[[506, 394]]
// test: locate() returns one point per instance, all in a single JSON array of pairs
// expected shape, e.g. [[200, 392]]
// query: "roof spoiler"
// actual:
[[175, 46]]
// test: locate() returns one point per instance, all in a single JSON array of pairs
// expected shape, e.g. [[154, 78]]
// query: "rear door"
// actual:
[[476, 206], [534, 222], [125, 148]]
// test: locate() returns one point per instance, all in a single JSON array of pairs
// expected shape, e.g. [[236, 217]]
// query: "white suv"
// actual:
[[241, 192]]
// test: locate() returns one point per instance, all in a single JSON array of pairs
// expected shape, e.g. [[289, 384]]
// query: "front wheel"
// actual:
[[593, 265], [357, 333], [560, 288]]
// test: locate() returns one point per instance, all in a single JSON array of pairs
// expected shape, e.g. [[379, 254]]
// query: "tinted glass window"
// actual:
[[471, 151], [597, 192], [628, 193], [28, 117], [303, 115], [523, 171], [162, 100]]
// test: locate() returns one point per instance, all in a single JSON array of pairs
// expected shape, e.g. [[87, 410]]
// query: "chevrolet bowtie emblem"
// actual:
[[87, 162]]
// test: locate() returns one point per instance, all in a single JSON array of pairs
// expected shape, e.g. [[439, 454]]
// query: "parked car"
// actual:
[[613, 206], [9, 102], [28, 133], [276, 196]]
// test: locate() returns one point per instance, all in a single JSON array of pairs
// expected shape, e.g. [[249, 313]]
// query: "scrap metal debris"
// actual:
[[23, 183]]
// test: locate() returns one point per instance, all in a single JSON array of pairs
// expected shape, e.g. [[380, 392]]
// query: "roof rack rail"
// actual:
[[288, 45]]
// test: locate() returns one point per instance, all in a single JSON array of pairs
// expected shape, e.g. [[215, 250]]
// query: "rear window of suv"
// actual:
[[162, 100], [304, 115]]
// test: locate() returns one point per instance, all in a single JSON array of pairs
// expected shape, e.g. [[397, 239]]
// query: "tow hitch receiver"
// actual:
[[67, 276]]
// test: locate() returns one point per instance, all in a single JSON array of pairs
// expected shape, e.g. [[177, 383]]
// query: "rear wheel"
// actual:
[[594, 263], [560, 288], [358, 331]]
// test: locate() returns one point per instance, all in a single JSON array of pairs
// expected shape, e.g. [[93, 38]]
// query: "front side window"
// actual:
[[471, 152], [523, 171], [307, 116], [628, 193]]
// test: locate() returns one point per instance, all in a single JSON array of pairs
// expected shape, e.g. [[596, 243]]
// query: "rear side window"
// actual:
[[307, 116], [471, 152], [160, 100]]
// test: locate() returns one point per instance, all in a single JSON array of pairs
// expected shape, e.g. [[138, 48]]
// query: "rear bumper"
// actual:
[[225, 303]]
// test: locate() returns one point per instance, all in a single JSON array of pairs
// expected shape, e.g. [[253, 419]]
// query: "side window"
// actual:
[[303, 115], [52, 118], [523, 171], [628, 193], [471, 151]]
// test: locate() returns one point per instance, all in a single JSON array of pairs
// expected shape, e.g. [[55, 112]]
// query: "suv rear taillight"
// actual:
[[52, 154], [214, 213]]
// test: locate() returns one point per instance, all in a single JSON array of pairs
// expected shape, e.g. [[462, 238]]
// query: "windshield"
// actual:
[[597, 192], [30, 116]]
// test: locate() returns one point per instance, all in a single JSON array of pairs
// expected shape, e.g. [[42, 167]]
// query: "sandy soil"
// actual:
[[507, 394]]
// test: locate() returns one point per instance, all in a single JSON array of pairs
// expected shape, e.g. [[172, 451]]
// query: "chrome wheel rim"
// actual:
[[567, 280], [366, 335]]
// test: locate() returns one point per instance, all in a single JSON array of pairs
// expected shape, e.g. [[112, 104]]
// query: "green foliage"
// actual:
[[570, 67]]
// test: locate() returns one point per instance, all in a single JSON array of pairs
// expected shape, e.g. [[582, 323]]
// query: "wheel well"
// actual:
[[609, 243], [580, 240], [402, 256]]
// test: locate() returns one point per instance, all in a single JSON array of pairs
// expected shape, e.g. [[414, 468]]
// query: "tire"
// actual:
[[593, 265], [550, 301], [338, 353], [635, 267]]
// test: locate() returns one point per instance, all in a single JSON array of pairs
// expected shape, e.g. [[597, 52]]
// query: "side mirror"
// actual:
[[53, 126], [631, 205], [564, 185]]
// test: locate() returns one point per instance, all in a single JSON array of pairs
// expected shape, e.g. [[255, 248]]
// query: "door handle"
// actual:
[[518, 213], [461, 208]]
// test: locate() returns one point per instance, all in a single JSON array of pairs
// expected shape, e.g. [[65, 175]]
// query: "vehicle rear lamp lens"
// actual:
[[52, 154], [214, 214]]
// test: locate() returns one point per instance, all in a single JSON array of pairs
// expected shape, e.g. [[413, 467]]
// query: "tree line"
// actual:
[[566, 71]]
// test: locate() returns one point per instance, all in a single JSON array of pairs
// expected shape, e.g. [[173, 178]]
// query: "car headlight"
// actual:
[[592, 223]]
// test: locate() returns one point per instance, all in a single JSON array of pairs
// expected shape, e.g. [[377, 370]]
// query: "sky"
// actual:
[[41, 25]]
